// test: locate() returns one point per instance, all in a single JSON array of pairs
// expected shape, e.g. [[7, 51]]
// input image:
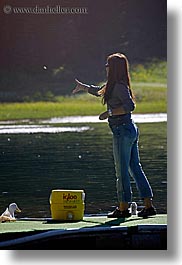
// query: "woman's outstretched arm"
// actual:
[[80, 87], [91, 89]]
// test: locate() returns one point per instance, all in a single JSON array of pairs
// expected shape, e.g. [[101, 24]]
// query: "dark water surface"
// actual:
[[31, 165]]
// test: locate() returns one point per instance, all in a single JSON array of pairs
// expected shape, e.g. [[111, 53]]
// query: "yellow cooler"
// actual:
[[67, 204]]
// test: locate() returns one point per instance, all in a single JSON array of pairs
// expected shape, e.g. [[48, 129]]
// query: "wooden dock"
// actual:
[[93, 232]]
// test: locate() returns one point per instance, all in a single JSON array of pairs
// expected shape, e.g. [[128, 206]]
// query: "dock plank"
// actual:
[[27, 225]]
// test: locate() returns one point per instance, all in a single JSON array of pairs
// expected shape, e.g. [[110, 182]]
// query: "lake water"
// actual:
[[73, 156]]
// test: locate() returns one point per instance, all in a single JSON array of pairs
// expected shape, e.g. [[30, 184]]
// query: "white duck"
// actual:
[[9, 213], [133, 208]]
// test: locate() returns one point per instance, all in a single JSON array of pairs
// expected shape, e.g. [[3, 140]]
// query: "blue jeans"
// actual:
[[127, 162]]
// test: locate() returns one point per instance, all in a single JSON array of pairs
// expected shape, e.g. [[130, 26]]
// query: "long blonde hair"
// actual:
[[118, 73]]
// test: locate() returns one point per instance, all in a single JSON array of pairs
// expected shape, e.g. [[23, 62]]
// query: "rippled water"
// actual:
[[22, 129], [31, 165]]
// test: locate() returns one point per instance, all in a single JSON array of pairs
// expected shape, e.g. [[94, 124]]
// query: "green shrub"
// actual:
[[154, 71]]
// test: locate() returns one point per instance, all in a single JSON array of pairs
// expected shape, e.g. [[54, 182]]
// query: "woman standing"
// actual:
[[118, 96]]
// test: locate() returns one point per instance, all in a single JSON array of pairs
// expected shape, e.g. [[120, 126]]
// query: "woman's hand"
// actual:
[[80, 87], [104, 115], [116, 111]]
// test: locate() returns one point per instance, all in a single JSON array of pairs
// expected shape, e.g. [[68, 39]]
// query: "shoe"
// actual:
[[145, 212], [119, 214]]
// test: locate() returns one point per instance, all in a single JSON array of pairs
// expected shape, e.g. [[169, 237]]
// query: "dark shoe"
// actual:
[[119, 214], [145, 212]]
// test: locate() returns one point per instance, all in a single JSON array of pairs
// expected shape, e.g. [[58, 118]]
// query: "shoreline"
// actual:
[[138, 118], [56, 125]]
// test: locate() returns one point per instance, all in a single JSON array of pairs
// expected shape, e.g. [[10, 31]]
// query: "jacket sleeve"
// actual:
[[127, 102], [93, 90]]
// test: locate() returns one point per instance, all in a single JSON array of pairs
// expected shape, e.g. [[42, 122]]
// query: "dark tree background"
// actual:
[[72, 45]]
